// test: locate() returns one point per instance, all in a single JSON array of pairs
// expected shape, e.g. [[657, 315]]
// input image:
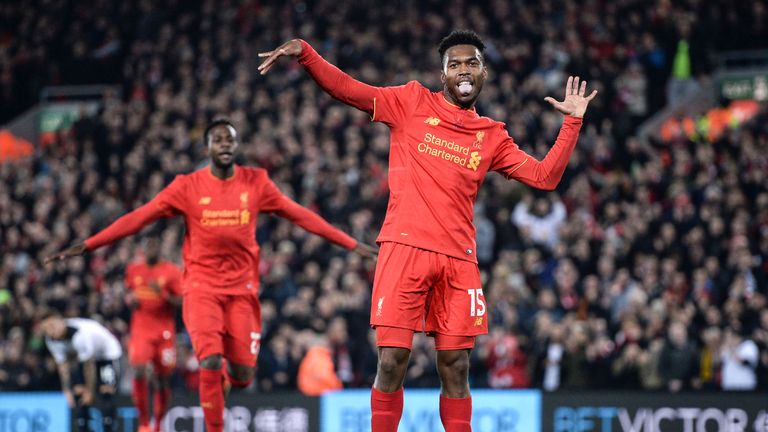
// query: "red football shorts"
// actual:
[[419, 290], [157, 347], [229, 325]]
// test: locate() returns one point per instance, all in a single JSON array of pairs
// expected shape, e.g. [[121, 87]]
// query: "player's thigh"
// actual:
[[203, 315], [141, 348], [107, 376], [400, 286], [164, 358], [242, 338], [457, 306]]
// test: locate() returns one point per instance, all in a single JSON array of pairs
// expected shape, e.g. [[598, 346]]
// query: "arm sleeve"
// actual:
[[167, 203], [58, 356], [84, 347], [389, 105], [516, 164], [273, 201]]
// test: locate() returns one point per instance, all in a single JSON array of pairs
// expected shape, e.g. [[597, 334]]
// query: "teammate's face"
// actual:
[[463, 74], [222, 144]]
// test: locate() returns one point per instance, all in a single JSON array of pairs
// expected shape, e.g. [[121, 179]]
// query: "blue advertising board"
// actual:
[[492, 411], [33, 412]]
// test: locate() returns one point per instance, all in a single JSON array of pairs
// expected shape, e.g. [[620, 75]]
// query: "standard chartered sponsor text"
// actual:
[[444, 149], [223, 217]]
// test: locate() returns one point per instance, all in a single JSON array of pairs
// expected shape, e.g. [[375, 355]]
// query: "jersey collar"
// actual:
[[453, 105]]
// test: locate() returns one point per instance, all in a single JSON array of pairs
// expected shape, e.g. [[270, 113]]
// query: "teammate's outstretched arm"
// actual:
[[126, 225]]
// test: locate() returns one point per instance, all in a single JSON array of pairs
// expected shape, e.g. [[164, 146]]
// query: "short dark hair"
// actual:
[[213, 124], [460, 37]]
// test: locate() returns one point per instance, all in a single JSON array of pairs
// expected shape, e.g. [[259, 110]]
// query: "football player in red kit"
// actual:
[[154, 293], [220, 205], [427, 276]]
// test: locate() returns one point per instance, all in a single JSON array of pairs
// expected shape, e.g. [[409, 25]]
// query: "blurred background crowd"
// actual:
[[646, 269]]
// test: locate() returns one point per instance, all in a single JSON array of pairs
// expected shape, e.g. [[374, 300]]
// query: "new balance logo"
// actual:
[[474, 161], [204, 201], [432, 121]]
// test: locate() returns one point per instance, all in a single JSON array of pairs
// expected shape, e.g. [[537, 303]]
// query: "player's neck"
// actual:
[[222, 173], [448, 97]]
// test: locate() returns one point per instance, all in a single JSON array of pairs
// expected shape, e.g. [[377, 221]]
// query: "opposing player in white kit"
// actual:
[[88, 356]]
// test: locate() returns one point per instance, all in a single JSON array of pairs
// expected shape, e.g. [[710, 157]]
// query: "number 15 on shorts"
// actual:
[[476, 302]]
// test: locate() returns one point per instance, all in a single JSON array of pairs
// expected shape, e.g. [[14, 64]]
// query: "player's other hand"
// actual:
[[86, 398], [292, 48], [75, 250], [575, 103], [366, 250], [70, 398]]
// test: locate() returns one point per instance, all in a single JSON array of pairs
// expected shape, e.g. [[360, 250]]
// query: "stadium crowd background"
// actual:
[[643, 271]]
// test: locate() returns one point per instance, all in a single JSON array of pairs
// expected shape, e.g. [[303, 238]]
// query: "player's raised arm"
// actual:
[[330, 78], [546, 174], [575, 102]]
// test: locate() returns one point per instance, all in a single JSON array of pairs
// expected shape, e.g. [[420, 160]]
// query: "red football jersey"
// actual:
[[220, 249], [153, 310], [439, 156]]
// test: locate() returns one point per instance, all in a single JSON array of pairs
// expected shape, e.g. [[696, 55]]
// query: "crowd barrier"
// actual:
[[493, 411]]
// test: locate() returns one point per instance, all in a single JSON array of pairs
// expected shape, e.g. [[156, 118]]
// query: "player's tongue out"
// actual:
[[465, 87]]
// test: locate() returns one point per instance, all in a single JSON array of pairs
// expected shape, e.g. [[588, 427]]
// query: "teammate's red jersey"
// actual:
[[220, 249], [439, 156], [152, 285]]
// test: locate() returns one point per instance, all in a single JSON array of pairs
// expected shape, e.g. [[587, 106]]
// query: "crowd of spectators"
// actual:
[[646, 269]]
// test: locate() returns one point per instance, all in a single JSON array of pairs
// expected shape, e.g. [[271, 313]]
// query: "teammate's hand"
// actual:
[[291, 48], [131, 300], [366, 250], [575, 103], [75, 250]]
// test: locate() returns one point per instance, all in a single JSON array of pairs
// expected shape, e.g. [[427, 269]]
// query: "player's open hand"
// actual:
[[575, 103], [366, 250], [292, 48], [75, 250]]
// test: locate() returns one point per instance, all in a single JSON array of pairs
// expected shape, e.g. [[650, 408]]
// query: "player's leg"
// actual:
[[77, 382], [164, 361], [242, 338], [204, 318], [139, 356], [457, 313], [397, 309], [107, 377]]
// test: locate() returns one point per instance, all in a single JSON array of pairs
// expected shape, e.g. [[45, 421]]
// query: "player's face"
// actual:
[[463, 74], [222, 144], [152, 249], [54, 327]]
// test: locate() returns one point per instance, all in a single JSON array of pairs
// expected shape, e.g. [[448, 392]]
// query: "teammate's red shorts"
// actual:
[[156, 346], [419, 290], [229, 325]]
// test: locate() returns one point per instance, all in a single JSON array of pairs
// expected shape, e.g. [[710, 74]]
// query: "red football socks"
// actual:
[[162, 398], [386, 410], [141, 400], [212, 399], [456, 414]]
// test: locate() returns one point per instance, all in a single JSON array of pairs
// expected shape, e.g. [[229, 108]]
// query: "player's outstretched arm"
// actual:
[[69, 252], [292, 48], [546, 174], [331, 79], [575, 102]]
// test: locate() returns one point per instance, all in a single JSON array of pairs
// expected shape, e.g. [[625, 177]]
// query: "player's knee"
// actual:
[[453, 365], [241, 376], [140, 371], [212, 362], [392, 362]]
